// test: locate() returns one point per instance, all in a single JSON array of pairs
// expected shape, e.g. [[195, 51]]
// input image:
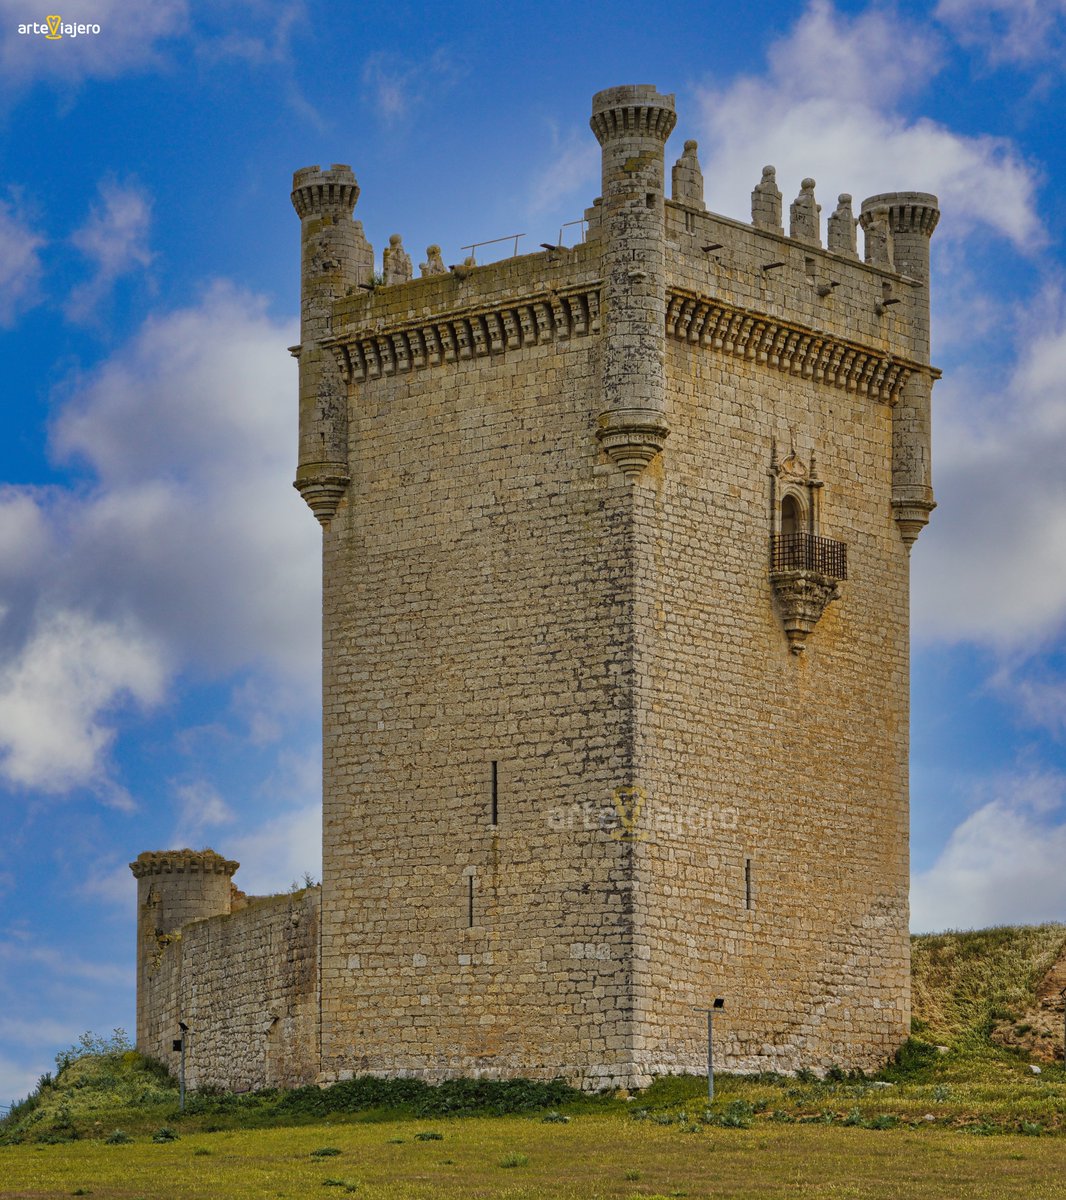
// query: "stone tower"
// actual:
[[615, 649], [616, 629]]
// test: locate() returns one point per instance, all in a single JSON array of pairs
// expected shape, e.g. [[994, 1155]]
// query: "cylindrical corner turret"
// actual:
[[174, 888], [335, 259], [632, 124], [908, 219], [912, 217]]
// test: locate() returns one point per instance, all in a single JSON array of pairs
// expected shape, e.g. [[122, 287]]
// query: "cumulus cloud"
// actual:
[[1008, 31], [992, 565], [114, 239], [186, 549], [1003, 864], [57, 691], [833, 105], [20, 263], [281, 851]]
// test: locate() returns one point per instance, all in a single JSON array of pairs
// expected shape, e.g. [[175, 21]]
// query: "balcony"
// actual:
[[808, 552], [805, 574]]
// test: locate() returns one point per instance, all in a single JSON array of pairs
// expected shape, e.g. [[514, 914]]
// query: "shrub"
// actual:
[[164, 1134], [118, 1137], [325, 1152], [515, 1160]]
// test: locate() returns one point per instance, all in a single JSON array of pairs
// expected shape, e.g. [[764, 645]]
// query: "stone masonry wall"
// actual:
[[476, 583], [775, 872], [246, 984]]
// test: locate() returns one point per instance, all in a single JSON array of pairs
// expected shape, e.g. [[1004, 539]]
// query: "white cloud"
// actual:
[[189, 548], [832, 106], [573, 168], [991, 567], [131, 36], [200, 808], [20, 263], [56, 691], [16, 1080], [1008, 31], [1002, 865], [278, 853], [398, 86], [114, 239]]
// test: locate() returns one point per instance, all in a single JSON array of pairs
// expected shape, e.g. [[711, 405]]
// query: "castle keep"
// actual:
[[615, 647]]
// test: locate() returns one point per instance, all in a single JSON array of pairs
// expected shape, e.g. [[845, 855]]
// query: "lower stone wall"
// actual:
[[246, 984]]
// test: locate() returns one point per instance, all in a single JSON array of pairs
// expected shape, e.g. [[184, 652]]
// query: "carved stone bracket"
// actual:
[[802, 596]]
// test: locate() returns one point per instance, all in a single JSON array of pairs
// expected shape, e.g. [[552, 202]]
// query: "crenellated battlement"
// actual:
[[632, 111], [182, 862], [316, 192]]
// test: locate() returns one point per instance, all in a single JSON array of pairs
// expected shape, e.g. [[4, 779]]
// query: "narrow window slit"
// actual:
[[747, 883], [495, 793], [470, 902]]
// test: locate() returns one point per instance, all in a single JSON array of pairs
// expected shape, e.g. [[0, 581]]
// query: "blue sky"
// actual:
[[158, 574]]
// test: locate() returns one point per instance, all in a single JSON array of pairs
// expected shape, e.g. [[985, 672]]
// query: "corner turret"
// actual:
[[335, 259], [632, 124], [174, 887], [907, 221]]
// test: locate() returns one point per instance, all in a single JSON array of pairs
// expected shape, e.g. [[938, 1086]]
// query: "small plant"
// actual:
[[118, 1137], [1031, 1128], [202, 1152], [325, 1152], [941, 1093], [555, 1118], [164, 1134], [81, 1192], [515, 1160], [429, 1135], [883, 1121], [632, 1175]]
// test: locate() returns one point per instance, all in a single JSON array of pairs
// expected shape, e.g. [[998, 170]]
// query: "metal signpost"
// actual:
[[179, 1044], [717, 1006]]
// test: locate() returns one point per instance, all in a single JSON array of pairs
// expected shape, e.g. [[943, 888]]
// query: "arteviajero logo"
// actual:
[[55, 29]]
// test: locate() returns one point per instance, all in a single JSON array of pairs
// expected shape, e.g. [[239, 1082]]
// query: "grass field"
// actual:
[[593, 1155], [956, 1115]]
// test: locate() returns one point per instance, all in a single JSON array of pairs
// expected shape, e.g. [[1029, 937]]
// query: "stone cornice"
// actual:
[[793, 349], [546, 316]]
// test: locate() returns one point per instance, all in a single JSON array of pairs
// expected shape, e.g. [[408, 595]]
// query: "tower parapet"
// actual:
[[335, 258], [632, 124]]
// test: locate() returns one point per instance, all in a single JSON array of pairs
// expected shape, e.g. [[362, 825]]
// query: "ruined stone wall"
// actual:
[[249, 984], [244, 981]]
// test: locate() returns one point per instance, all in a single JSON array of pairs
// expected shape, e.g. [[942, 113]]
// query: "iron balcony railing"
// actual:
[[808, 552]]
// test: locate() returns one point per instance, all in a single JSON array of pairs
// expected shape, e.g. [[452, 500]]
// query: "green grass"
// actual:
[[954, 1114], [594, 1155]]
